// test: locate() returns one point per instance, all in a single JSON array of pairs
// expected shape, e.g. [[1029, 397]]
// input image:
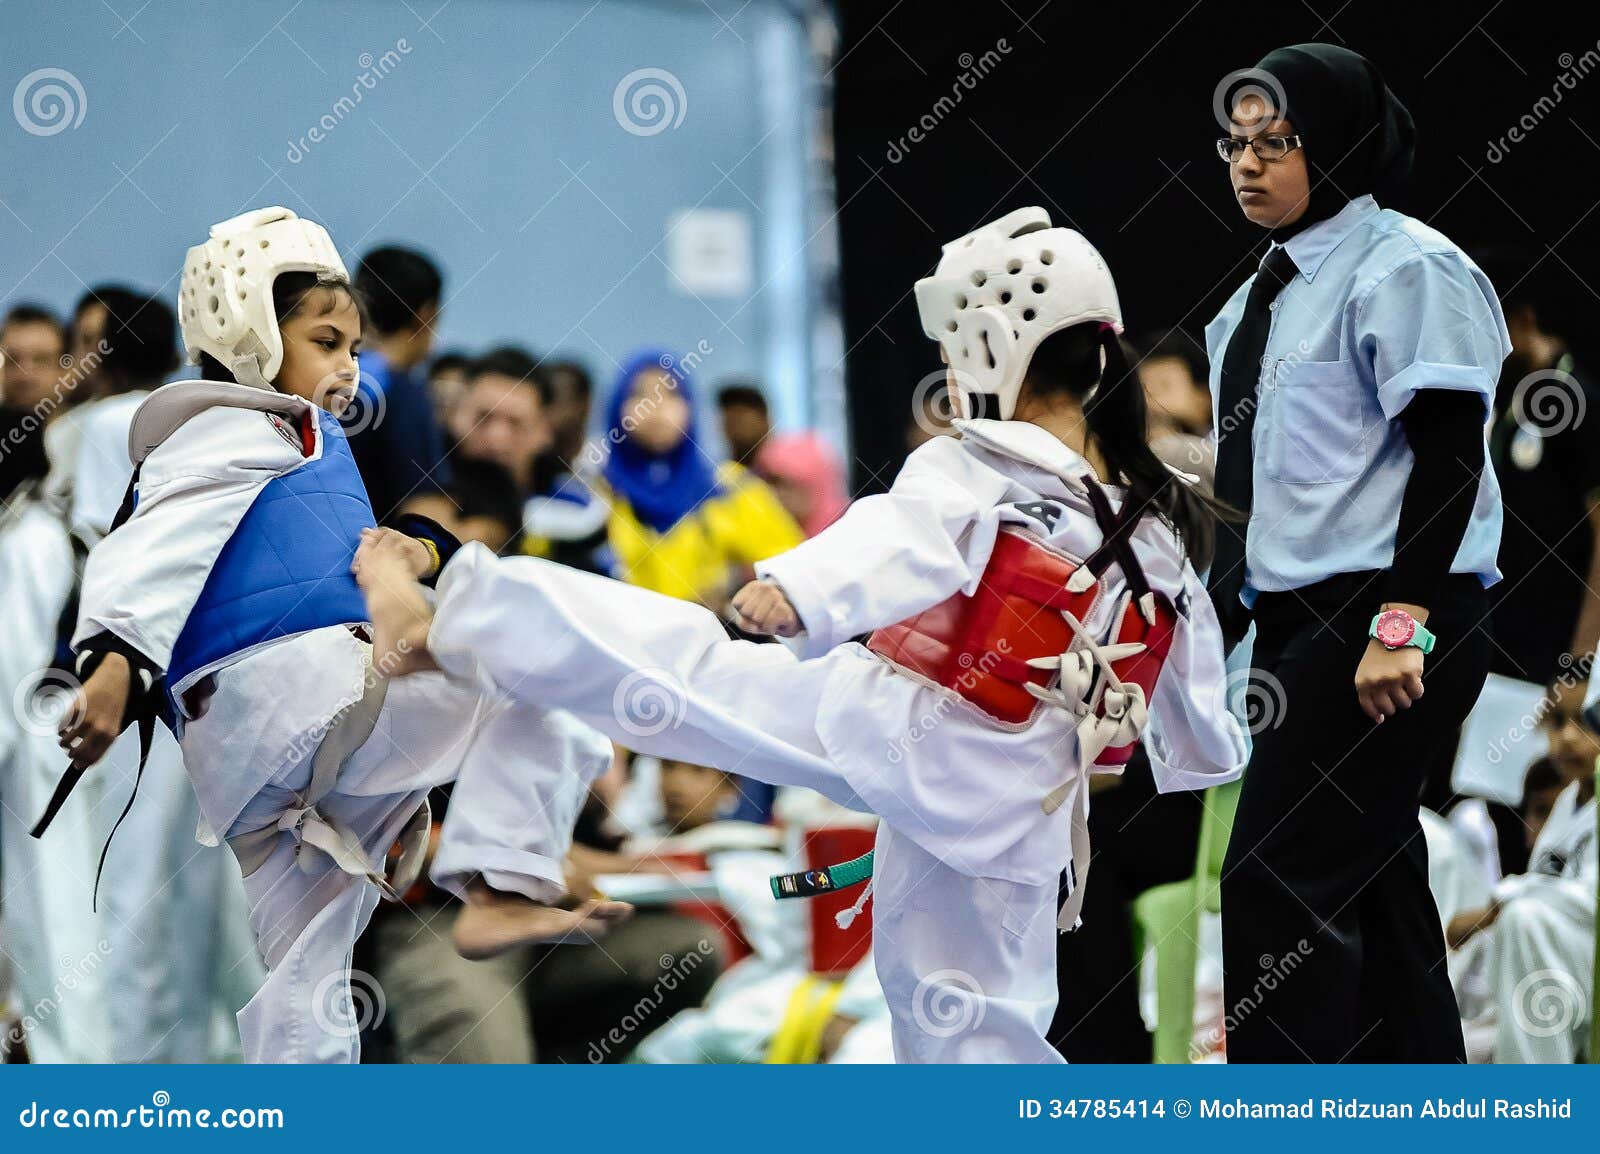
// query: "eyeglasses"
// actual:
[[1231, 148]]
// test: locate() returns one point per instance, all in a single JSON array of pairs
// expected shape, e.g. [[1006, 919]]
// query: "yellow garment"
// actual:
[[696, 558], [798, 1039]]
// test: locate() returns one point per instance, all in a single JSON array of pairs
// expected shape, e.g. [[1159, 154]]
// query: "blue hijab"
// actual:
[[662, 488]]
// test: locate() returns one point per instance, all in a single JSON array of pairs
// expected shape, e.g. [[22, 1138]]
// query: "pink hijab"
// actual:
[[806, 460]]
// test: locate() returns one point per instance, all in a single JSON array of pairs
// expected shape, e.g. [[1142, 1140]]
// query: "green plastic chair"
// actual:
[[1169, 916], [1594, 998]]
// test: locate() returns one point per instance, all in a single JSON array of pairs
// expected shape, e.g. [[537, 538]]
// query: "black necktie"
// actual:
[[1236, 409]]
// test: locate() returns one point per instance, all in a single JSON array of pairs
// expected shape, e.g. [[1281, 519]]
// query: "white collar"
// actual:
[[1026, 442]]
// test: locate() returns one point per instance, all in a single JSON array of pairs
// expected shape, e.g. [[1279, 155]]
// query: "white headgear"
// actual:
[[1003, 288], [225, 299]]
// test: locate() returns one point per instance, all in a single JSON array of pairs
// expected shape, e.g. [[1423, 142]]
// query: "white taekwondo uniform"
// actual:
[[251, 728], [968, 857]]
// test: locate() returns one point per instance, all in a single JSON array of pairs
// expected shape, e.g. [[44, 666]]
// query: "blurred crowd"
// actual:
[[679, 488]]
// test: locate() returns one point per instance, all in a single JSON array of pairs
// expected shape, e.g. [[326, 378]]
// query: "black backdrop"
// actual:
[[1102, 114]]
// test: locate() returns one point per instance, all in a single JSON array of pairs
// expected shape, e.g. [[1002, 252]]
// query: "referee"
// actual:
[[1353, 375]]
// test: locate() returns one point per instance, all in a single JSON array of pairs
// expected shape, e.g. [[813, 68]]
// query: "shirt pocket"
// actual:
[[1318, 431]]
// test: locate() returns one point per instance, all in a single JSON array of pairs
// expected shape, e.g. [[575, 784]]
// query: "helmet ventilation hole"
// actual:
[[961, 300], [265, 243], [1046, 256], [1028, 314], [979, 277], [1040, 284], [1014, 266], [213, 304], [1005, 297], [988, 353], [950, 326]]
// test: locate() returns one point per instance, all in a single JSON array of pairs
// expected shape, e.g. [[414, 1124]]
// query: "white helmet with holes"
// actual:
[[225, 299], [1003, 288]]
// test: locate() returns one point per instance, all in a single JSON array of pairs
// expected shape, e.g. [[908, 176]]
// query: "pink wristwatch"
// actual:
[[1396, 629]]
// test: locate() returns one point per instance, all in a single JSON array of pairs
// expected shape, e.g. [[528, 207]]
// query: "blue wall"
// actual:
[[487, 138]]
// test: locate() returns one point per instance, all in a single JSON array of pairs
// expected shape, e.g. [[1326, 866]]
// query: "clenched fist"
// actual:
[[1388, 680], [94, 720], [763, 608]]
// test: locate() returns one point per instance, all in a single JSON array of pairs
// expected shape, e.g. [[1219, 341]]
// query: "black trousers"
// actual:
[[1332, 945]]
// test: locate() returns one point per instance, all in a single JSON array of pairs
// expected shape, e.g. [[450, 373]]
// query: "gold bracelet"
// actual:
[[433, 556]]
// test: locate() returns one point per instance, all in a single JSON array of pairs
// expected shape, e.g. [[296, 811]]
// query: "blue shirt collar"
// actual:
[[1311, 246]]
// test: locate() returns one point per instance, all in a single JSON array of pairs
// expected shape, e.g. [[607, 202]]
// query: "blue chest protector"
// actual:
[[286, 569]]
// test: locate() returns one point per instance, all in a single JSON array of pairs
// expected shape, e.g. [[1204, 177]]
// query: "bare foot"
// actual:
[[492, 922], [399, 611]]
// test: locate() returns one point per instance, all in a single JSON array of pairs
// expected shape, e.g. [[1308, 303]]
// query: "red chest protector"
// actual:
[[980, 646]]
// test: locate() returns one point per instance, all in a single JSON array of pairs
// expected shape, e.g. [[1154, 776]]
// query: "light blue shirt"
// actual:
[[1383, 306]]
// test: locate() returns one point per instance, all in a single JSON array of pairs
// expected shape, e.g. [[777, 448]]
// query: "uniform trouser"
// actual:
[[522, 778], [1332, 946], [967, 963], [151, 973], [1542, 974]]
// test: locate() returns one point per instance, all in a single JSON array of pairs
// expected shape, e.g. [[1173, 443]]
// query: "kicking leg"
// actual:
[[652, 673], [522, 783]]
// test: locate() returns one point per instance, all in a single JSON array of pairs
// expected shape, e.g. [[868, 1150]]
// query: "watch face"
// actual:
[[1395, 628]]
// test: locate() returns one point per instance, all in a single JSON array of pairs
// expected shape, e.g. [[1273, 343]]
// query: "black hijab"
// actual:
[[1358, 137]]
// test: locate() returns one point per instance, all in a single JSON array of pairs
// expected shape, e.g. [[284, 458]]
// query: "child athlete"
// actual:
[[1033, 612], [228, 576]]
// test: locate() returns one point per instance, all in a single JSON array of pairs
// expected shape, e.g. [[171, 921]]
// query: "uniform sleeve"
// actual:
[[1432, 323], [1193, 740], [1571, 897], [101, 476], [36, 571], [896, 553], [141, 581]]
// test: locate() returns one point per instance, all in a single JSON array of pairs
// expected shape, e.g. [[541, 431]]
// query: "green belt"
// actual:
[[810, 883]]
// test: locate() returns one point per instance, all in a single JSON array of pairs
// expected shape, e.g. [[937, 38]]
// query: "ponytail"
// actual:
[[1070, 360], [1119, 423]]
